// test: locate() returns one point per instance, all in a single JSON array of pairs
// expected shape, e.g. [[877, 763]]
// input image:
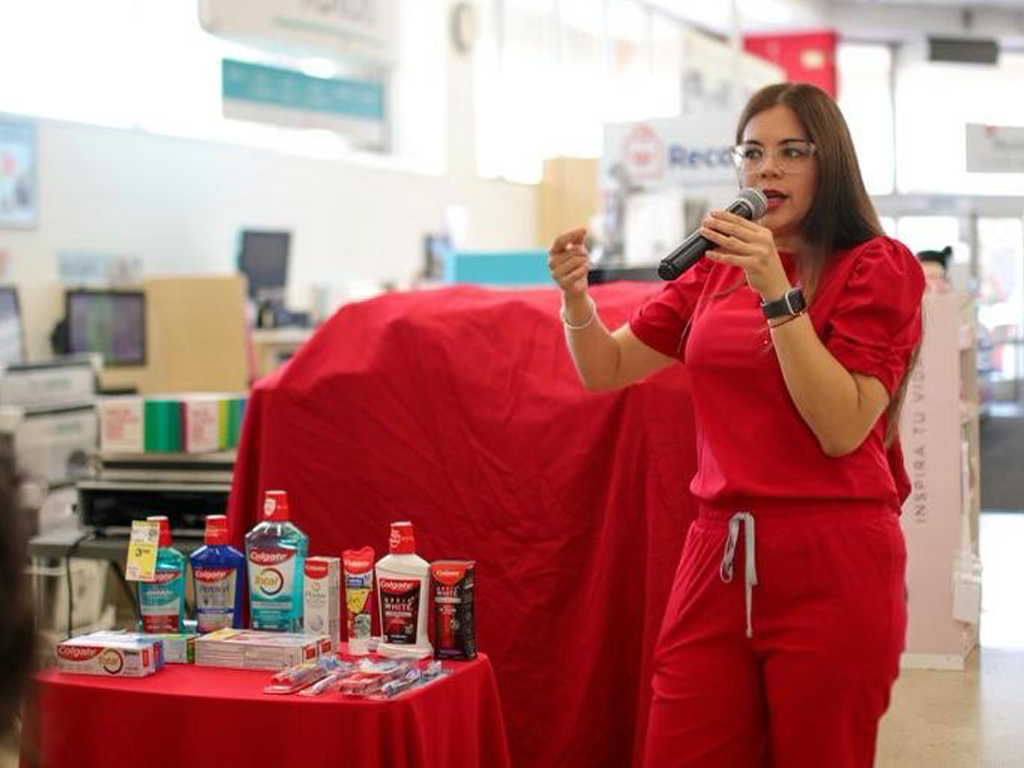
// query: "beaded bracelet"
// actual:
[[570, 326]]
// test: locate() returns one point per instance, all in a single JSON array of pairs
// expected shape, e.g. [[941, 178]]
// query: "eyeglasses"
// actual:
[[790, 156]]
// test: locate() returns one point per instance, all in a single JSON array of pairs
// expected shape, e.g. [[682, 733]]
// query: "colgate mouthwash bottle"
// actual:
[[217, 579], [276, 553], [403, 583], [162, 601]]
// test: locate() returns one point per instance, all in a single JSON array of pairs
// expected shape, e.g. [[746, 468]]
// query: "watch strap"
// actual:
[[791, 303]]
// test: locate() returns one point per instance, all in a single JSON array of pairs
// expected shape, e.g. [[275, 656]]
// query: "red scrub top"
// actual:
[[751, 441]]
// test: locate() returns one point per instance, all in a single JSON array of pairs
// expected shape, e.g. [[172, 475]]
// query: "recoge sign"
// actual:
[[361, 29], [677, 153], [994, 149]]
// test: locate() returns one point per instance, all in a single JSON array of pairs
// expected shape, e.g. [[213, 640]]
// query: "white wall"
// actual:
[[179, 204]]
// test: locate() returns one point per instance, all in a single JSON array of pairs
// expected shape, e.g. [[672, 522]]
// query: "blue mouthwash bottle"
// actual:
[[162, 601], [217, 579], [276, 553]]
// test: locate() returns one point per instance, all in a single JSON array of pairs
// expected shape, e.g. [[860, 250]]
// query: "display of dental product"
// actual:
[[110, 655], [175, 648], [321, 597], [218, 579], [329, 683], [178, 649], [403, 581], [275, 551], [452, 587], [251, 649], [358, 566], [368, 680], [162, 600], [292, 679]]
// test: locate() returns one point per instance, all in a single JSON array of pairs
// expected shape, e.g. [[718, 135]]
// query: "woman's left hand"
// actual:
[[749, 246]]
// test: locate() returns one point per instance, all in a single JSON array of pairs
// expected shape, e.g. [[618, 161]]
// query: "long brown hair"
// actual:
[[841, 213]]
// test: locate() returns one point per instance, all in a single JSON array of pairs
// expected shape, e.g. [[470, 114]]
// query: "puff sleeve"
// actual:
[[661, 321], [876, 322]]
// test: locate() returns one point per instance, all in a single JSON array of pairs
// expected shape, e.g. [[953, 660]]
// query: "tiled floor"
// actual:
[[971, 719]]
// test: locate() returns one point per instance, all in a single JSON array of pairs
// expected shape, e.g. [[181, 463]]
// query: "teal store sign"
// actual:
[[294, 90]]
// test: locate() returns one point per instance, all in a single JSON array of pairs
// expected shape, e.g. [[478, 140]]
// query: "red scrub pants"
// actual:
[[827, 623]]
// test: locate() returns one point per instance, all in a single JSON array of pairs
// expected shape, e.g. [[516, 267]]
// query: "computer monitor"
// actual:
[[264, 262], [12, 337], [112, 323]]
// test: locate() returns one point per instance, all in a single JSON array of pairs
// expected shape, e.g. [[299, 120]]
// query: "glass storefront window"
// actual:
[[1001, 303]]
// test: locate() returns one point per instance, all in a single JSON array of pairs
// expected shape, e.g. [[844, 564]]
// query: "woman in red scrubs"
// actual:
[[786, 619]]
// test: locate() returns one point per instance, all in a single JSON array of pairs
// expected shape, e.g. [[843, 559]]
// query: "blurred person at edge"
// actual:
[[17, 631], [786, 618]]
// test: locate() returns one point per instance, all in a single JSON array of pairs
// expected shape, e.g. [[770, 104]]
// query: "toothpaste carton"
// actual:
[[109, 656], [121, 424], [178, 649], [124, 636], [321, 599], [252, 649], [201, 415]]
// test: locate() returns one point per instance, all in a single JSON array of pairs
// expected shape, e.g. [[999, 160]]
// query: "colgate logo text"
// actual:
[[262, 557], [392, 585], [78, 652]]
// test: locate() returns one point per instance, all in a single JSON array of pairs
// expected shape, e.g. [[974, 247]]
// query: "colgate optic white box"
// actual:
[[202, 423], [321, 598], [122, 424], [108, 657]]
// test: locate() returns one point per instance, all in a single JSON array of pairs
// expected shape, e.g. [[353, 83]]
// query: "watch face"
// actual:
[[791, 303], [796, 301]]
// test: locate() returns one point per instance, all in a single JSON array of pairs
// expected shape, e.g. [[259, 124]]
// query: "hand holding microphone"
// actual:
[[750, 247], [750, 204]]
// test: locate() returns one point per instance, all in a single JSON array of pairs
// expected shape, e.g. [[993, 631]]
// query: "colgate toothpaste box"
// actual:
[[109, 656], [177, 648], [253, 649], [158, 642], [321, 598]]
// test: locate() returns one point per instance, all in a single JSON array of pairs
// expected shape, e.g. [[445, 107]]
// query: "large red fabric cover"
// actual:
[[459, 409], [205, 717]]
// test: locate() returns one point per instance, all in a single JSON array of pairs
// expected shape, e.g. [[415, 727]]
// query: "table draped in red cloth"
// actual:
[[459, 409], [205, 717]]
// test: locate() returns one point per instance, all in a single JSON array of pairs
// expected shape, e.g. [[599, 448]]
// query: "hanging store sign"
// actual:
[[265, 94], [994, 149], [340, 29], [676, 153]]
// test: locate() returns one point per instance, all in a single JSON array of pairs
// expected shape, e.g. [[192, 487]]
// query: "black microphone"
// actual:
[[750, 203]]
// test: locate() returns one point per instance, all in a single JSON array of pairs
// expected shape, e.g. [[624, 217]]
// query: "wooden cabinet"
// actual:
[[195, 338], [569, 196]]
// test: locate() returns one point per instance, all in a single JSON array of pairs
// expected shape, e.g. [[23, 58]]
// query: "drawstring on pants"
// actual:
[[750, 571]]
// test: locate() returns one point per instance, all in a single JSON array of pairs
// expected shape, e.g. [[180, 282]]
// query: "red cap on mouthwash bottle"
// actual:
[[275, 506], [165, 529], [403, 540], [216, 534]]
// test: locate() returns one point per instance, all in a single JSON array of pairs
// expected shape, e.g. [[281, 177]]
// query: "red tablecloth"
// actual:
[[204, 716], [459, 409]]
